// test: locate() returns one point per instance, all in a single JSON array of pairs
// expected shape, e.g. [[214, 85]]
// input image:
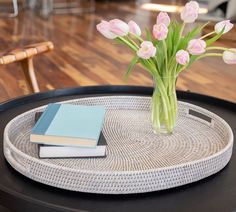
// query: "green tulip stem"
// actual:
[[181, 30], [136, 36], [132, 46], [166, 58], [209, 55], [131, 41], [219, 48], [208, 34]]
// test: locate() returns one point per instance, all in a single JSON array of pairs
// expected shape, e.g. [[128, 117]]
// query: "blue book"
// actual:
[[69, 125]]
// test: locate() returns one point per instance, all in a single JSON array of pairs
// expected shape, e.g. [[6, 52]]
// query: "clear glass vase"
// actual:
[[164, 105]]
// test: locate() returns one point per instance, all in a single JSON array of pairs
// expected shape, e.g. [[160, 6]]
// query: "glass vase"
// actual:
[[164, 105]]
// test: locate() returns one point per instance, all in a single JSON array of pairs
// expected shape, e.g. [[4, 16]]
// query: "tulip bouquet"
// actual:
[[165, 53]]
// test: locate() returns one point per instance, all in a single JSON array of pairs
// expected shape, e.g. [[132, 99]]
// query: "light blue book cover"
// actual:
[[75, 121]]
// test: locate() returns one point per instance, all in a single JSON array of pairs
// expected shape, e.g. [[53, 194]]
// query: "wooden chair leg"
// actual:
[[28, 69]]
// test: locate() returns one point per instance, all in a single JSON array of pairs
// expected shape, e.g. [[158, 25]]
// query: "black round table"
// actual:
[[215, 193]]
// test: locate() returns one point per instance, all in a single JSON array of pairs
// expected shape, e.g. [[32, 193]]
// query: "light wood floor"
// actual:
[[83, 57]]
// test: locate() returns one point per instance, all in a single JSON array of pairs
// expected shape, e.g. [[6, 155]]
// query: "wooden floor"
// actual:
[[83, 57]]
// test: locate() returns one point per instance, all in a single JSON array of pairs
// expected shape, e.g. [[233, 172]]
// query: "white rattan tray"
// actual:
[[137, 159]]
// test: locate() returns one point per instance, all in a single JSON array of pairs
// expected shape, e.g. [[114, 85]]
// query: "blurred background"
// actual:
[[82, 57]]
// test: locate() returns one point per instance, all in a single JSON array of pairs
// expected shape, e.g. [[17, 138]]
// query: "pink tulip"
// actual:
[[193, 4], [196, 46], [134, 28], [163, 18], [118, 27], [104, 29], [190, 12], [160, 31], [147, 50], [226, 25], [229, 57], [182, 57]]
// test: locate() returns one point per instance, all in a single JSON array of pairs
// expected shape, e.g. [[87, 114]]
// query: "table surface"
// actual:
[[215, 193]]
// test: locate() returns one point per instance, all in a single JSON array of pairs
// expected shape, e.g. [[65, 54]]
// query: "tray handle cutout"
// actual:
[[14, 161], [201, 116]]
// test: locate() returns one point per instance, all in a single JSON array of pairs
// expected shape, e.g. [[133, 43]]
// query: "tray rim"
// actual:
[[227, 147], [110, 90]]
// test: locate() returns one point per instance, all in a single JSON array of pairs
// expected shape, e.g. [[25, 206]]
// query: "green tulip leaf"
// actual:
[[131, 66]]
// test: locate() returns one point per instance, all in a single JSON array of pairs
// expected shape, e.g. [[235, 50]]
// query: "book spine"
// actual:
[[101, 126], [45, 120]]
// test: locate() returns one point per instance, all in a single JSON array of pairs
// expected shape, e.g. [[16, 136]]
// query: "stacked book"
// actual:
[[64, 130]]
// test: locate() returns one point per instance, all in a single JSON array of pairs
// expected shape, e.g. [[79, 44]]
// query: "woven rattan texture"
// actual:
[[137, 159]]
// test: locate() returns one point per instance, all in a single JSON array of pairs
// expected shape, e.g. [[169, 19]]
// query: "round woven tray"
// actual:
[[137, 159]]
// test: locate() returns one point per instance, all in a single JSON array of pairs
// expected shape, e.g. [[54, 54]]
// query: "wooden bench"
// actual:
[[25, 57]]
